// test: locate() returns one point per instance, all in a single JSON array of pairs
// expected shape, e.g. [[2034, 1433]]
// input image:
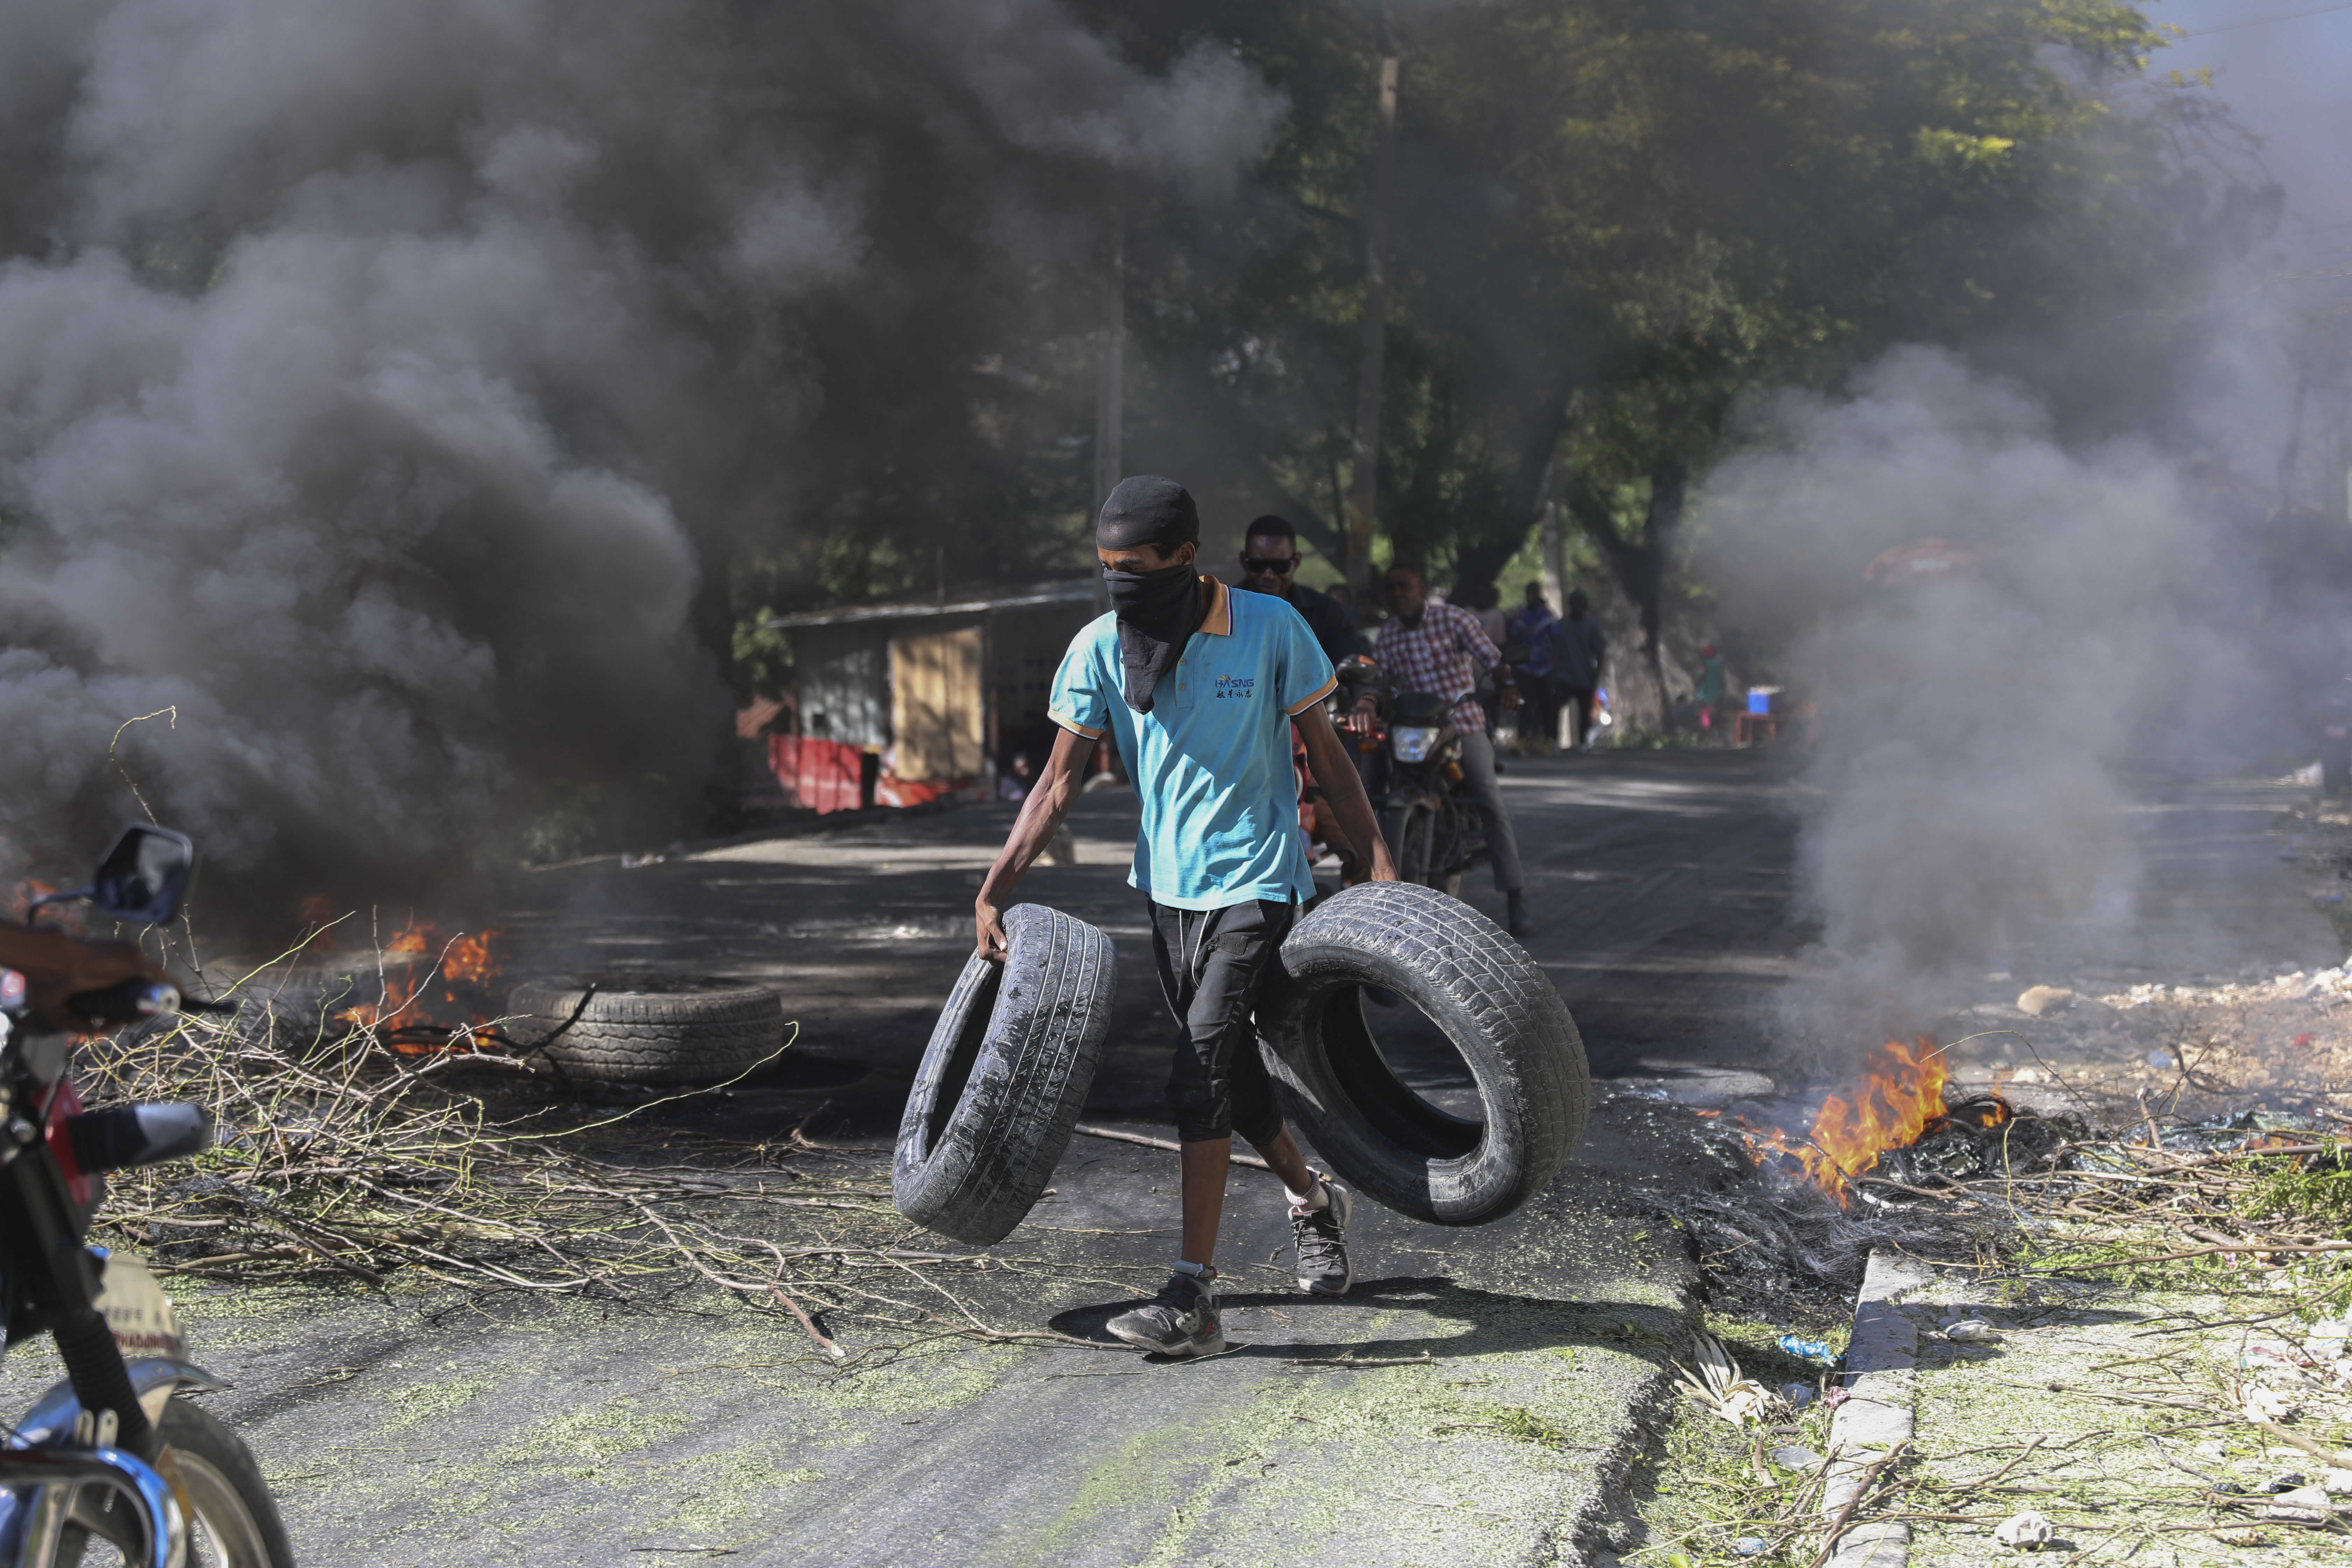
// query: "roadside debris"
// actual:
[[341, 1157], [2304, 1505], [2026, 1531], [2042, 999], [1722, 1387], [1972, 1331]]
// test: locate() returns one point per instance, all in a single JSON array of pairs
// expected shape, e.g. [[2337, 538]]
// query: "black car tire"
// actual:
[[1005, 1077], [649, 1029], [1496, 1006]]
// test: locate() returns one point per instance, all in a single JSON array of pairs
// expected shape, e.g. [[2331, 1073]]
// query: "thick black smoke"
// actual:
[[375, 379]]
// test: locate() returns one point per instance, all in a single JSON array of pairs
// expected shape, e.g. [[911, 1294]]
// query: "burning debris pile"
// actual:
[[433, 992], [1905, 1126], [1905, 1139]]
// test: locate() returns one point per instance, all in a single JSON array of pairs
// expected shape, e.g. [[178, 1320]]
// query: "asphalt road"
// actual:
[[413, 1427]]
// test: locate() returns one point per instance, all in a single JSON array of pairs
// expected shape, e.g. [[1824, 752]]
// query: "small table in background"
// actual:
[[1755, 729]]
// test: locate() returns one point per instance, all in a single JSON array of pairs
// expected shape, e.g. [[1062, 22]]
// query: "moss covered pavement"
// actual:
[[428, 1428]]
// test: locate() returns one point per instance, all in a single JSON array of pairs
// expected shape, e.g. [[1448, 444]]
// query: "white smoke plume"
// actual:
[[1981, 721], [375, 376]]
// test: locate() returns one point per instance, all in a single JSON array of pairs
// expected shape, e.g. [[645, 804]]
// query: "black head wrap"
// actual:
[[1147, 510], [1159, 611]]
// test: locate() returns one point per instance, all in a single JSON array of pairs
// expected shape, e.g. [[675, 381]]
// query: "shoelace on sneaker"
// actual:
[[1318, 1236]]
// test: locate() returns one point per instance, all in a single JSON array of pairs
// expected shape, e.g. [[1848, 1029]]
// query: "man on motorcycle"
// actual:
[[1438, 647], [1201, 685]]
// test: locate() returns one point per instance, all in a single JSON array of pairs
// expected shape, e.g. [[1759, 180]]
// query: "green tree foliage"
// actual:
[[1611, 220]]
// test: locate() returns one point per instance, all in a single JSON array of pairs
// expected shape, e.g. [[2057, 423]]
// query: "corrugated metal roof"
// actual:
[[962, 602]]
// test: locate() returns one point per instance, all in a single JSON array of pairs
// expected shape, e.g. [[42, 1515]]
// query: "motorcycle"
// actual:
[[110, 1453], [1412, 771]]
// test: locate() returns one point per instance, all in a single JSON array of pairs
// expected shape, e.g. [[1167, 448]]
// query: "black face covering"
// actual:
[[1158, 614]]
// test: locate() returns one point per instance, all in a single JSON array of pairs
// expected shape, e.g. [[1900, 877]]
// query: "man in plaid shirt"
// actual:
[[1431, 647]]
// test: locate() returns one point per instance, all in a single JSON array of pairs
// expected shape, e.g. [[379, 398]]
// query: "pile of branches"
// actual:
[[338, 1158], [2237, 1193]]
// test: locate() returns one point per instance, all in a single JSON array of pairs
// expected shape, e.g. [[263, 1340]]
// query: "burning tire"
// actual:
[[1005, 1077], [646, 1029], [1496, 1006]]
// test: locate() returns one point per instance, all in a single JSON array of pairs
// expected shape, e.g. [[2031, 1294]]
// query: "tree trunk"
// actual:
[[1366, 456], [1637, 570], [1531, 497]]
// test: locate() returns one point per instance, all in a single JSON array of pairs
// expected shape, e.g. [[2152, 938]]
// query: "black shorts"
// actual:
[[1212, 965]]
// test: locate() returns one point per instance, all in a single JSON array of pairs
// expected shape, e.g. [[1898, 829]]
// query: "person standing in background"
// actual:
[[1536, 629], [1583, 651], [1709, 694], [1485, 603]]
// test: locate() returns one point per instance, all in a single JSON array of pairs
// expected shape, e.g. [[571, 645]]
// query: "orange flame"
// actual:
[[434, 991], [1901, 1092]]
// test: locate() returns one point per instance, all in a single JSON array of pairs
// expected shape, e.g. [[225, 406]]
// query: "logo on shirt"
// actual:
[[1236, 686]]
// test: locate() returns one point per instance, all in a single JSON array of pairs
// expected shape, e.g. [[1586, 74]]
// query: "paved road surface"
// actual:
[[418, 1430]]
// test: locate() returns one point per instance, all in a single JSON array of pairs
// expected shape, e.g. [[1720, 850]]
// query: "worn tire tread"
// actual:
[[1535, 1085], [688, 1038], [1049, 1015]]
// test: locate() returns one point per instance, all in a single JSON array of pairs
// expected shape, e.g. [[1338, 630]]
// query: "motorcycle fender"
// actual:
[[154, 1378]]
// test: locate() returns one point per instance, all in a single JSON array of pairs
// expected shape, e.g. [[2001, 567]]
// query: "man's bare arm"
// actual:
[[1041, 817], [1335, 774]]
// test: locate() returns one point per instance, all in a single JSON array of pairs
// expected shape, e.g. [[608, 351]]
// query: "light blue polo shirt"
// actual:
[[1211, 760]]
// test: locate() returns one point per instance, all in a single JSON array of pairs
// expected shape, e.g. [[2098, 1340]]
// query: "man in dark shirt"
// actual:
[[1270, 565], [1583, 652]]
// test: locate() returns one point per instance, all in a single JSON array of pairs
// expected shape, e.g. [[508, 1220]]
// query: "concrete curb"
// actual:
[[1877, 1413]]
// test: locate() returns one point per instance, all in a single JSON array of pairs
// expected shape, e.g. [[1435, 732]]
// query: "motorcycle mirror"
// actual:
[[144, 875], [1361, 667]]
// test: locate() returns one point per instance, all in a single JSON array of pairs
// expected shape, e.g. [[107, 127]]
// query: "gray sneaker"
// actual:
[[1322, 1237], [1182, 1321]]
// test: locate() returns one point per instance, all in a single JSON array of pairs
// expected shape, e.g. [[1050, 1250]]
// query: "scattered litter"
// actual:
[[2039, 1000], [2304, 1505], [1798, 1394], [1835, 1395], [2027, 1532], [2335, 1482], [2328, 897], [2160, 1060], [2328, 986], [2265, 1404], [1722, 1387], [1808, 1350], [1973, 1331], [1751, 1545], [1796, 1457]]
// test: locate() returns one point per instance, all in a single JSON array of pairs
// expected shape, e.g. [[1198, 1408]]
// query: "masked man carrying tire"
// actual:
[[1200, 686]]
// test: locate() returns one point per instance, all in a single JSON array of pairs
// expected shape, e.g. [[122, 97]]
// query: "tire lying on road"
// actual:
[[1005, 1077], [1494, 1004], [656, 1029]]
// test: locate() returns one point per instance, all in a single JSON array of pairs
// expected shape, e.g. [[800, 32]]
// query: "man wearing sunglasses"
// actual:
[[1270, 565]]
